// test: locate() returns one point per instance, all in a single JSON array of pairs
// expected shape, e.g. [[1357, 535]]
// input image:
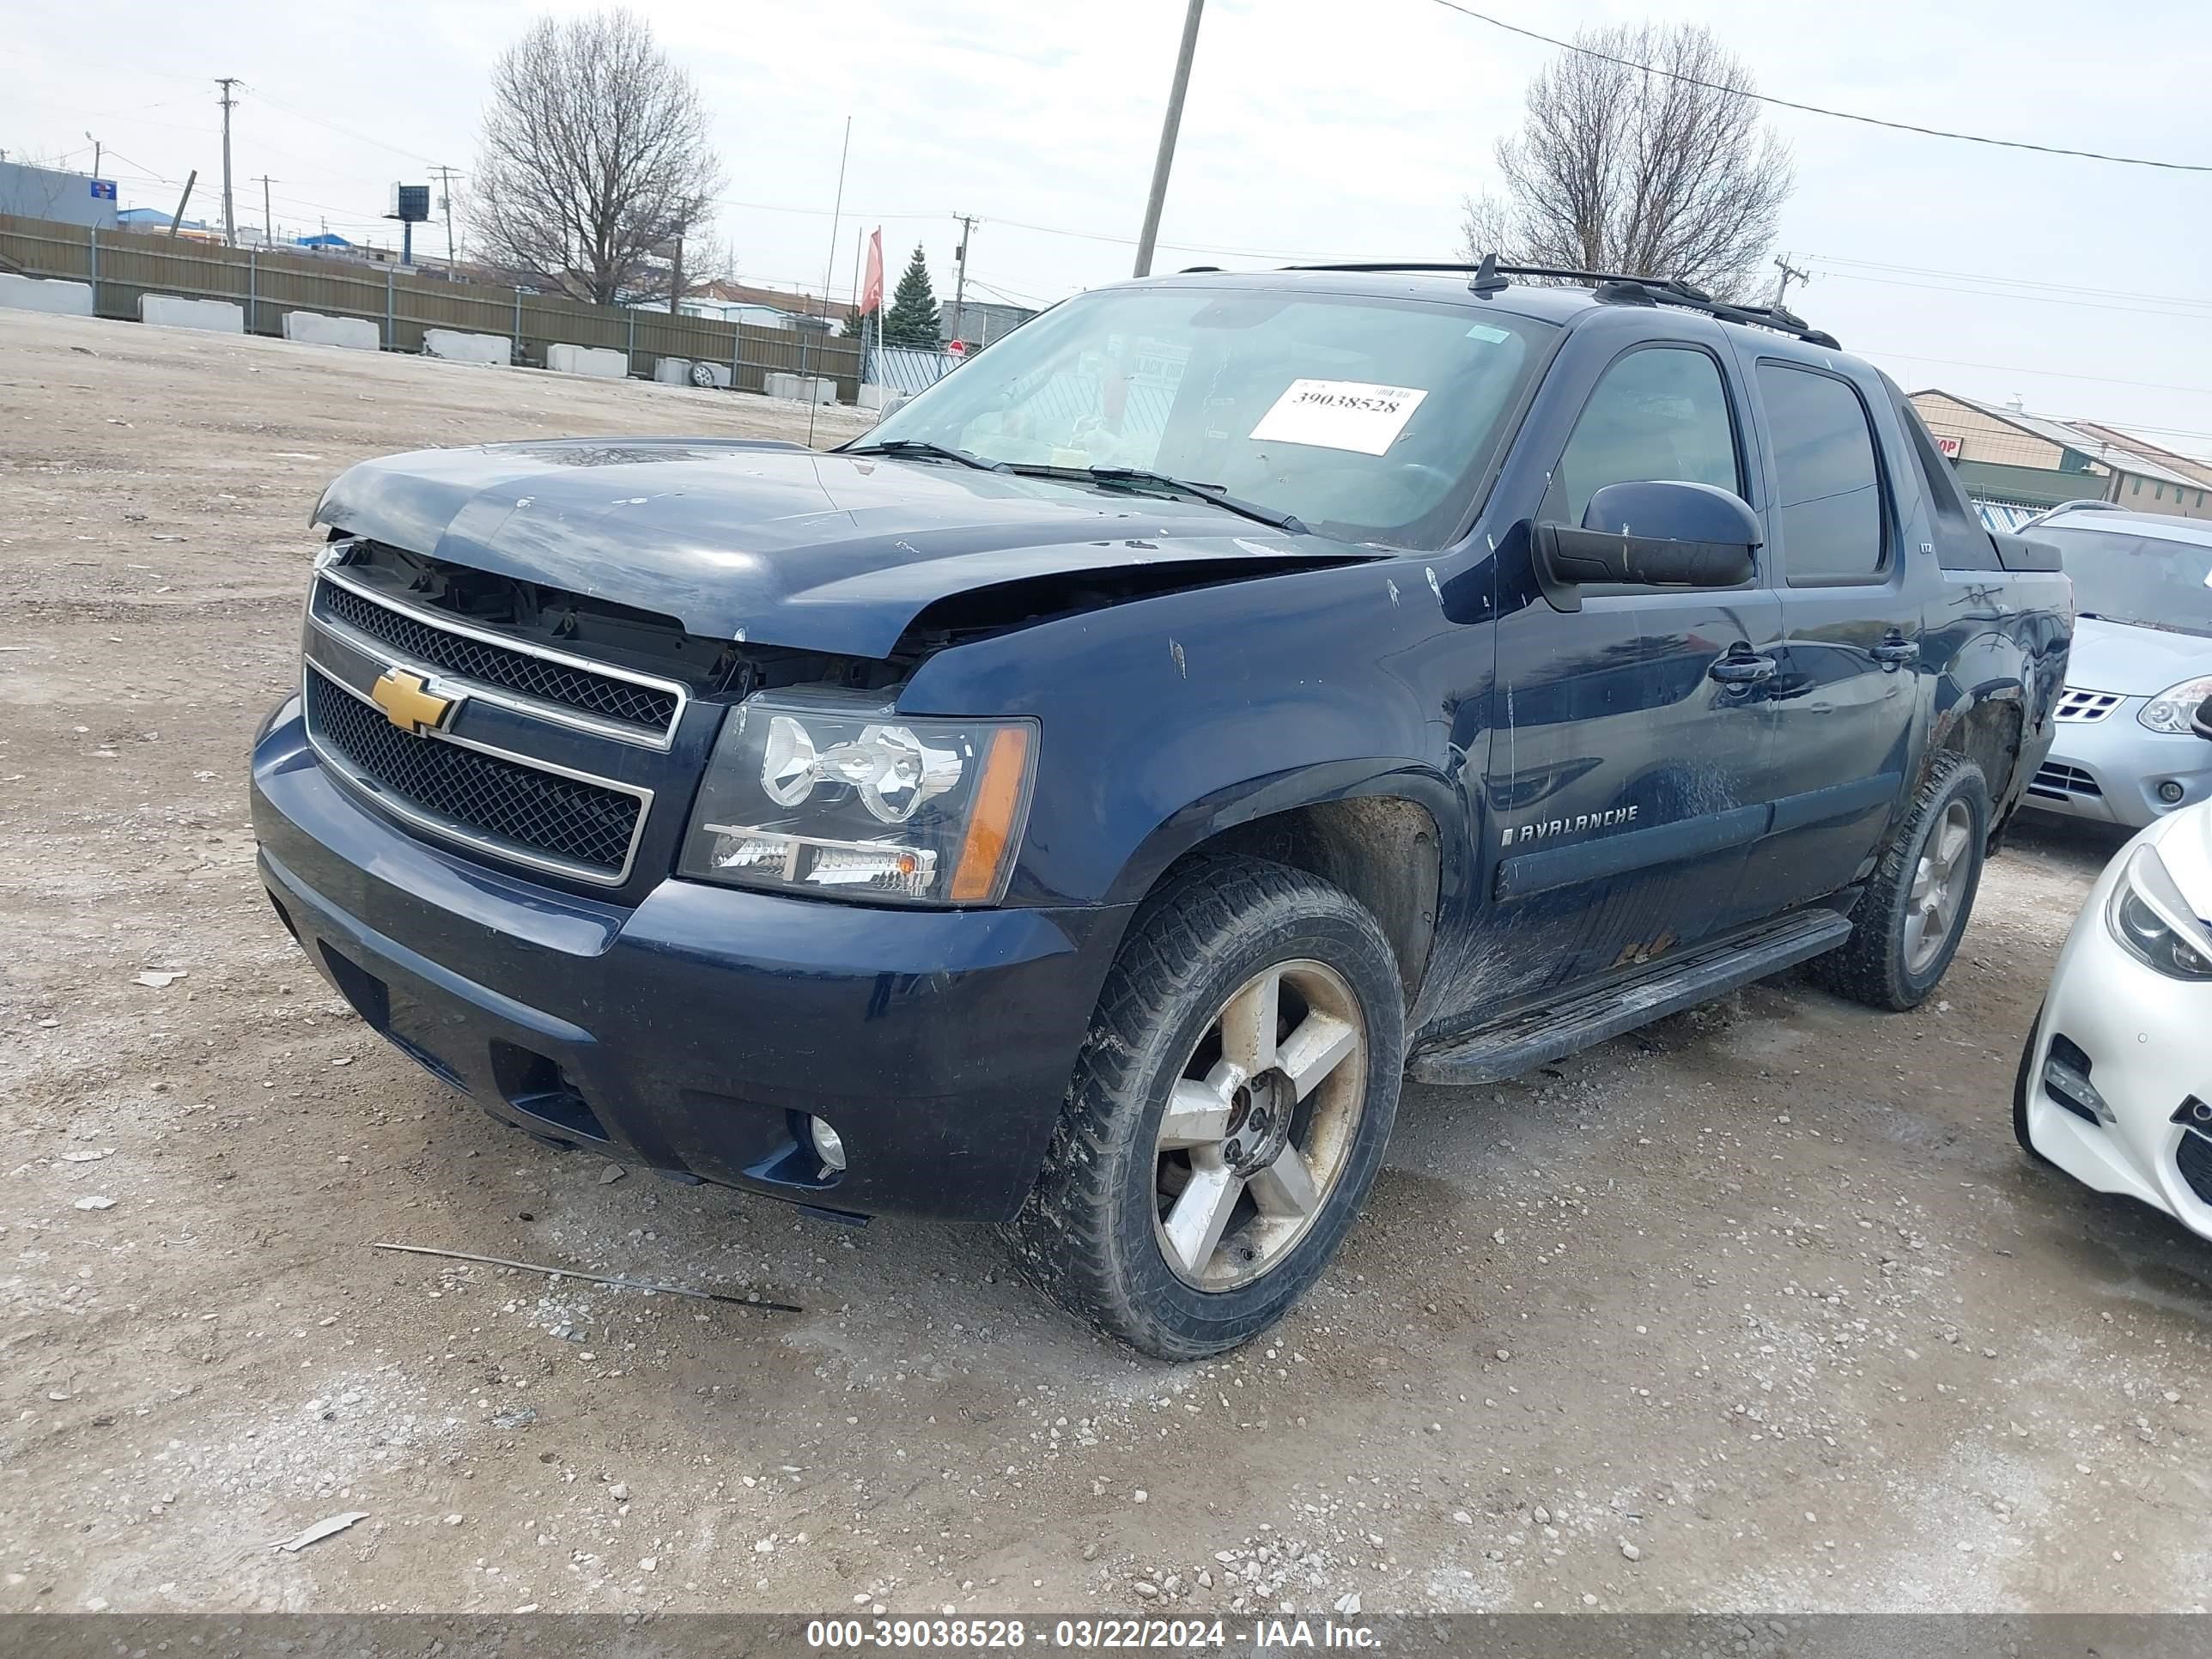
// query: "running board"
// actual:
[[1520, 1042]]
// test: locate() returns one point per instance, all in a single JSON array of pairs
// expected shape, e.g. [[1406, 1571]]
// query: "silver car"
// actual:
[[2125, 752]]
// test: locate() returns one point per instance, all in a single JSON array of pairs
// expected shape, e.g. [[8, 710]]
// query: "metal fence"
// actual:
[[908, 368], [2007, 516], [265, 283]]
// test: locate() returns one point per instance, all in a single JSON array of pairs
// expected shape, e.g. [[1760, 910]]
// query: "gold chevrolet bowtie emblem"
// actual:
[[408, 701]]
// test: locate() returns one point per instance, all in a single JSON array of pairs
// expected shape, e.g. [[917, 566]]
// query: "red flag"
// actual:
[[871, 286]]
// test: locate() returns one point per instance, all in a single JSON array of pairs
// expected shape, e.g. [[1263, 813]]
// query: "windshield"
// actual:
[[1368, 419], [2145, 579]]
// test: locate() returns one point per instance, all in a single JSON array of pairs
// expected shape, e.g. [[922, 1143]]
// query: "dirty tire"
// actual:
[[1872, 967], [1086, 1234], [2020, 1091]]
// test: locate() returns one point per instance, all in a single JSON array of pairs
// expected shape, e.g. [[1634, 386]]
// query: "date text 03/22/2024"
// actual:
[[1164, 1635]]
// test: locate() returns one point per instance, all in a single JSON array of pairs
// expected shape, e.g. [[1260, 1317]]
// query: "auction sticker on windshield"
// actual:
[[1339, 415]]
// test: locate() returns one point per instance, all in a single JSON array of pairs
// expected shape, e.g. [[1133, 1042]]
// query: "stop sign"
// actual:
[[957, 348]]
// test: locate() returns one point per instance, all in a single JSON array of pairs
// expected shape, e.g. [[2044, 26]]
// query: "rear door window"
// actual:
[[1828, 503]]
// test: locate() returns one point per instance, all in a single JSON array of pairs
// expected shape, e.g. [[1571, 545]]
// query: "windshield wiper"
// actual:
[[902, 448], [1132, 477]]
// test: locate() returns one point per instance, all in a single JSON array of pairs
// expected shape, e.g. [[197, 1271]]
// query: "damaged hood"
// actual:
[[775, 543], [2131, 661]]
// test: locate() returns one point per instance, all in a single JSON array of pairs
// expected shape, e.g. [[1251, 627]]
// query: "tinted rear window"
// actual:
[[1828, 487]]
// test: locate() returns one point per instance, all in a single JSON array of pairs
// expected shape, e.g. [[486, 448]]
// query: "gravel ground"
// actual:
[[1759, 1309]]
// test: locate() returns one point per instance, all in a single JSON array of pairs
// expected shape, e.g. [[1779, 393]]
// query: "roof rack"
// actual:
[[1612, 287]]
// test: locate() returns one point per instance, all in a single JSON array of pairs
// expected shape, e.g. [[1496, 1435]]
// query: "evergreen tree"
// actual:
[[858, 323], [913, 319]]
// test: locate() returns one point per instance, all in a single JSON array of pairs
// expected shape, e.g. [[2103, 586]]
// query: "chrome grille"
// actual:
[[2082, 708], [514, 808], [632, 707], [2057, 780]]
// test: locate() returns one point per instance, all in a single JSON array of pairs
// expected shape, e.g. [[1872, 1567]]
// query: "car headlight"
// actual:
[[838, 795], [2169, 711], [2154, 924]]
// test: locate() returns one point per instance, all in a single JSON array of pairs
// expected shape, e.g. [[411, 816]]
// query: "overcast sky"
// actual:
[[1315, 128]]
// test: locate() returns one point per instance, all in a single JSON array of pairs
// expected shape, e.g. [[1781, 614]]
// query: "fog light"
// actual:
[[2171, 793], [827, 1146], [2066, 1079]]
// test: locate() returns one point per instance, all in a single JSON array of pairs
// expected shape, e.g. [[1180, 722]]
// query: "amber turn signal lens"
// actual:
[[991, 829]]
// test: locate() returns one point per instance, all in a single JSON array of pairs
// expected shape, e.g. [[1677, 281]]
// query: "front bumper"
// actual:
[[696, 1032], [2109, 770], [2142, 1033]]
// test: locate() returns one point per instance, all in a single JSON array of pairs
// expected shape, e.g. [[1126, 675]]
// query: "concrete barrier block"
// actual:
[[456, 346], [587, 360], [672, 371], [313, 328], [44, 293], [800, 388], [174, 311]]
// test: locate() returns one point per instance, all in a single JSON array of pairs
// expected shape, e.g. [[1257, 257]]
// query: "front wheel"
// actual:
[[1227, 1114]]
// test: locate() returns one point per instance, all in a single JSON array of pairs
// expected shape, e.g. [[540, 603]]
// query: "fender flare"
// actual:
[[1412, 903]]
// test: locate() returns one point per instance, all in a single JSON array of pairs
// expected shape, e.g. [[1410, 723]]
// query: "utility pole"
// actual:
[[268, 219], [229, 226], [960, 281], [178, 217], [675, 277], [1790, 273], [95, 156], [446, 176], [1168, 127]]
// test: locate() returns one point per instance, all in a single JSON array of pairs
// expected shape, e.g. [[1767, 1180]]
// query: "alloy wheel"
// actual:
[[1259, 1125], [1938, 884]]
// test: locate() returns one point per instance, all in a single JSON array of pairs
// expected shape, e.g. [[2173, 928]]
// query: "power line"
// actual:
[[1184, 247], [346, 132], [2070, 303], [1047, 230], [2011, 282], [2048, 374], [1011, 297], [1818, 109]]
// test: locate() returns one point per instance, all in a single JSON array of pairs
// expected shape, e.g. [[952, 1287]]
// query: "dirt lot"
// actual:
[[1765, 1294]]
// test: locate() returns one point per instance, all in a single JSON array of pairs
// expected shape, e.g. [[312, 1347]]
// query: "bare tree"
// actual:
[[595, 160], [1625, 168]]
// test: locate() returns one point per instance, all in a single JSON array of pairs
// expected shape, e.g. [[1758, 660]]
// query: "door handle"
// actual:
[[1896, 652], [1741, 669]]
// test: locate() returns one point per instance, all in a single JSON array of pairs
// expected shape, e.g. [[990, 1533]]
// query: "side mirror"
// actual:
[[1665, 533], [2200, 721]]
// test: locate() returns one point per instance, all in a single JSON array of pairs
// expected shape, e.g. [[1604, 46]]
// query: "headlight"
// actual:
[[2169, 711], [2154, 924], [838, 795]]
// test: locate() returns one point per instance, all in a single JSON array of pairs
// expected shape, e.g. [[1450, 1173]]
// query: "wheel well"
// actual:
[[1379, 849], [1988, 734]]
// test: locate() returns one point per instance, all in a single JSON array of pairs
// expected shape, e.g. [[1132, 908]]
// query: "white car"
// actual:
[[2115, 1084]]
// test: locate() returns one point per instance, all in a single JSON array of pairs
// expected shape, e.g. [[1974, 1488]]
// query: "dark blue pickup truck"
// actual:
[[1079, 803]]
